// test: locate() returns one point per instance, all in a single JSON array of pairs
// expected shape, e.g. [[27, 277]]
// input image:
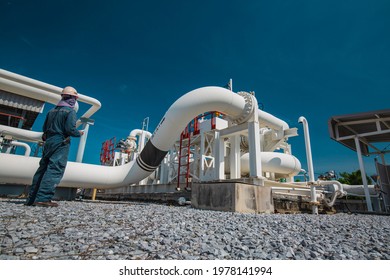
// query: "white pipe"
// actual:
[[290, 194], [24, 145], [139, 132], [82, 142], [291, 189], [270, 183], [359, 190], [337, 193], [271, 162], [142, 135], [308, 148], [21, 134], [339, 187], [42, 91], [363, 172], [191, 105], [268, 120], [309, 162], [29, 91], [20, 170], [27, 81]]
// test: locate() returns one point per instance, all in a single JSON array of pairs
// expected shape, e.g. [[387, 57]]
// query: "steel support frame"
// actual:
[[207, 156], [255, 168], [363, 172], [235, 157]]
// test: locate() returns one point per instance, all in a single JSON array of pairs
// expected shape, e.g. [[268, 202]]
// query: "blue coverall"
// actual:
[[60, 124]]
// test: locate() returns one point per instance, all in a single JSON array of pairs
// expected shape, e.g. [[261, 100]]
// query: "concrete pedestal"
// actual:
[[232, 197]]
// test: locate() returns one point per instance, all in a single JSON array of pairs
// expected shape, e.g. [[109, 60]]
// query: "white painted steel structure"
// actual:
[[243, 144], [19, 170], [363, 132]]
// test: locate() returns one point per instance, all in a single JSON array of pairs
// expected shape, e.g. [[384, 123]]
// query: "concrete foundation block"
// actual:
[[232, 197]]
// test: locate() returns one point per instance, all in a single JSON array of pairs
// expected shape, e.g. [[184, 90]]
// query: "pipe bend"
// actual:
[[23, 145], [167, 132], [138, 132], [181, 112], [302, 119], [192, 104]]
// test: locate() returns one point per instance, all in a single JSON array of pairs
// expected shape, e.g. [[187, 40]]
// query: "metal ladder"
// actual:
[[184, 158]]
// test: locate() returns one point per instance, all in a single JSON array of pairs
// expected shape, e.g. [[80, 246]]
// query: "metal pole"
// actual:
[[309, 163], [383, 158], [219, 150], [235, 160], [83, 140], [363, 172], [255, 168], [94, 194]]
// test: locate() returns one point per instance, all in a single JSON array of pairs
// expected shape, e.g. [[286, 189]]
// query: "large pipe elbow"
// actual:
[[167, 132], [190, 105]]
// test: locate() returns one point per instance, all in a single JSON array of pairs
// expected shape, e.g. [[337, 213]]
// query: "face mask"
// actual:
[[68, 101], [71, 102], [76, 106]]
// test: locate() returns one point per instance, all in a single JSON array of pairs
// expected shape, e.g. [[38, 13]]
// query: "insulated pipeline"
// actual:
[[181, 113], [150, 157], [20, 170]]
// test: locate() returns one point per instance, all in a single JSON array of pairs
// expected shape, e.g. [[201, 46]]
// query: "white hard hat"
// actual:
[[69, 91]]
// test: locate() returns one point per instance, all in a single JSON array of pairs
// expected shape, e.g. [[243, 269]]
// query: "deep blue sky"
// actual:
[[302, 58]]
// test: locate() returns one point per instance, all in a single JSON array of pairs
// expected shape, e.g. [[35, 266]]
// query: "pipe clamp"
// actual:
[[248, 109]]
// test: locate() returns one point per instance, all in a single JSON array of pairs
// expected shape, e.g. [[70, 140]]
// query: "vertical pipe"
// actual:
[[308, 148], [83, 140], [309, 163], [141, 143], [94, 194], [363, 172]]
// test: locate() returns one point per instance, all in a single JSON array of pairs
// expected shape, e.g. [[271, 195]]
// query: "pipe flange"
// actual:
[[248, 109]]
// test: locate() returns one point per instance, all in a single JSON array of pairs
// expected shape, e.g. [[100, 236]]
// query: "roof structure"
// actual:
[[371, 128], [19, 111], [363, 133]]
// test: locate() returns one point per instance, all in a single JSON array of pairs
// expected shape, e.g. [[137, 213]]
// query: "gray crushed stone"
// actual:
[[139, 231]]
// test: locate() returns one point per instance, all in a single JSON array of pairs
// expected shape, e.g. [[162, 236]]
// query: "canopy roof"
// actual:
[[371, 128]]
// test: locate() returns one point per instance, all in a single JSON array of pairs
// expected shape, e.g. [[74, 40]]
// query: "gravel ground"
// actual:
[[104, 231]]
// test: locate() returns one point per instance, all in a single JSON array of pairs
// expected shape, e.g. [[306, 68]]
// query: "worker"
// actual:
[[59, 126]]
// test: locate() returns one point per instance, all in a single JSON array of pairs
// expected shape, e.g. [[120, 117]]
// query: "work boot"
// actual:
[[46, 204], [29, 202]]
